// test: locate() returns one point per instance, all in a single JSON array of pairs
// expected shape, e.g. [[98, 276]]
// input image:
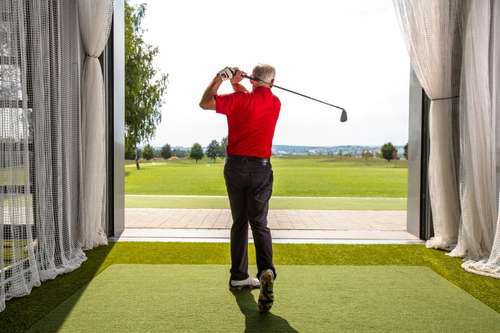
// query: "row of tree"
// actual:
[[216, 149], [213, 151], [149, 152]]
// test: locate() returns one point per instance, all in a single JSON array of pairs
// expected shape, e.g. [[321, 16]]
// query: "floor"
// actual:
[[287, 226], [282, 219], [56, 297], [194, 298]]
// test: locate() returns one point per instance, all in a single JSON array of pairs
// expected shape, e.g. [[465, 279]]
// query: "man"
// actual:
[[251, 118]]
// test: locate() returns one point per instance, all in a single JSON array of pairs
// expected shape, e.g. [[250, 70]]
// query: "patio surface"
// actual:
[[287, 226], [175, 218]]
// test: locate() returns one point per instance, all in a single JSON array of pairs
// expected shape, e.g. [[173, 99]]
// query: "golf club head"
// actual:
[[343, 116]]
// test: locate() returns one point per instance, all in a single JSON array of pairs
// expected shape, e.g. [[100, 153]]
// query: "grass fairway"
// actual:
[[305, 176]]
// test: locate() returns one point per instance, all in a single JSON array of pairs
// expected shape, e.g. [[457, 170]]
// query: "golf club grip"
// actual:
[[294, 92]]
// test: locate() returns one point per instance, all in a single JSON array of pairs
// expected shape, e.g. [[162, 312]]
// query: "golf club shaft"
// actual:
[[296, 93]]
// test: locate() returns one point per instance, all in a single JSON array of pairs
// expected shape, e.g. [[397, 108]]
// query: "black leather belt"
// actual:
[[260, 160]]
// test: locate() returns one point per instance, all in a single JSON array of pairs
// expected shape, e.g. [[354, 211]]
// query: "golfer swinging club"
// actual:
[[251, 118]]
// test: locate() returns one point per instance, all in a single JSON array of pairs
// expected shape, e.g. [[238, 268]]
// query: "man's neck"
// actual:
[[265, 86]]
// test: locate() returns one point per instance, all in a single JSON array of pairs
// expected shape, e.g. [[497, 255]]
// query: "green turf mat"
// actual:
[[169, 298]]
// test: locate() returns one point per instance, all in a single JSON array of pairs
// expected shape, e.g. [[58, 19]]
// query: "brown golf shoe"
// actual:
[[266, 296]]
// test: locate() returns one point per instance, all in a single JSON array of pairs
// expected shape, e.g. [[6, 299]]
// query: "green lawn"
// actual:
[[304, 176], [22, 313]]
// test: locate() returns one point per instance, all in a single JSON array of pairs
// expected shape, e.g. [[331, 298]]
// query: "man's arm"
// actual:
[[208, 99], [238, 87], [235, 82]]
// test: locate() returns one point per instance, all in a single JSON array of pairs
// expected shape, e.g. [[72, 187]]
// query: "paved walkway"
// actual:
[[341, 220]]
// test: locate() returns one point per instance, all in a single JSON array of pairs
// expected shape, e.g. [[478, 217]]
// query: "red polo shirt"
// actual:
[[251, 120]]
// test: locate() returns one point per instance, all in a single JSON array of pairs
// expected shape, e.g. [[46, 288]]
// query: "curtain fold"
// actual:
[[432, 33], [480, 108], [448, 66], [40, 146], [95, 24]]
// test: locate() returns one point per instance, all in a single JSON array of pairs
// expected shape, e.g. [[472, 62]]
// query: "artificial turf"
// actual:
[[191, 298], [22, 313]]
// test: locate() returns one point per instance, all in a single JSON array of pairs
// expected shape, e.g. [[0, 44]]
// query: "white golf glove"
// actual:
[[227, 73]]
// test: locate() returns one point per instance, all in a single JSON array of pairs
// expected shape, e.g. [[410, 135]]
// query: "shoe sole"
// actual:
[[266, 296]]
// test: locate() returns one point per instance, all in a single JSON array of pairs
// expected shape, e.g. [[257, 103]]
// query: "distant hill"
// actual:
[[352, 150]]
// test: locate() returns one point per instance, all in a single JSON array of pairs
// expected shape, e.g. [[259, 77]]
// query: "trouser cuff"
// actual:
[[272, 268]]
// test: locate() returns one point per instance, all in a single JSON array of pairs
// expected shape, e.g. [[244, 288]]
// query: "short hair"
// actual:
[[263, 72]]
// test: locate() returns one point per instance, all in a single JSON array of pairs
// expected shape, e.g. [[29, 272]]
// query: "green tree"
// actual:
[[156, 152], [130, 152], [137, 153], [406, 152], [166, 151], [387, 151], [196, 152], [213, 150], [148, 152], [223, 147], [145, 85]]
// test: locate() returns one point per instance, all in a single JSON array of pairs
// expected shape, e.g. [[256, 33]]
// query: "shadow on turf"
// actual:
[[22, 313], [254, 320]]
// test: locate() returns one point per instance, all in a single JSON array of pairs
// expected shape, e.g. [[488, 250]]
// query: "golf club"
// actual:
[[343, 116]]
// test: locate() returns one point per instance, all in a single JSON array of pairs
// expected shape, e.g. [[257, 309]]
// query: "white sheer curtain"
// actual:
[[39, 141], [95, 23], [432, 32], [479, 239], [441, 59]]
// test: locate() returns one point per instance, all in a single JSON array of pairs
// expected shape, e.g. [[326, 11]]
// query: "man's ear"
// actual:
[[272, 82]]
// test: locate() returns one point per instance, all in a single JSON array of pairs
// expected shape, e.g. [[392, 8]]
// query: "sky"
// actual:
[[348, 52]]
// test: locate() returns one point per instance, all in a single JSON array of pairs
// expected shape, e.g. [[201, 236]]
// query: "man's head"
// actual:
[[265, 73]]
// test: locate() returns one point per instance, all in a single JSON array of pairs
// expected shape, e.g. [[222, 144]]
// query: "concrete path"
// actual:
[[279, 236], [287, 226], [341, 220], [276, 202]]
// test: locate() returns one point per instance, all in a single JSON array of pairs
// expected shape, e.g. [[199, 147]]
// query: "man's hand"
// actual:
[[235, 81], [227, 73], [238, 76]]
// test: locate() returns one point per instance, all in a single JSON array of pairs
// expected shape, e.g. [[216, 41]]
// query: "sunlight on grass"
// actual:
[[305, 176]]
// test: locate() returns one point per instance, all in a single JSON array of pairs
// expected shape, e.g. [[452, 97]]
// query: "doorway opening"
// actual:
[[331, 179]]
